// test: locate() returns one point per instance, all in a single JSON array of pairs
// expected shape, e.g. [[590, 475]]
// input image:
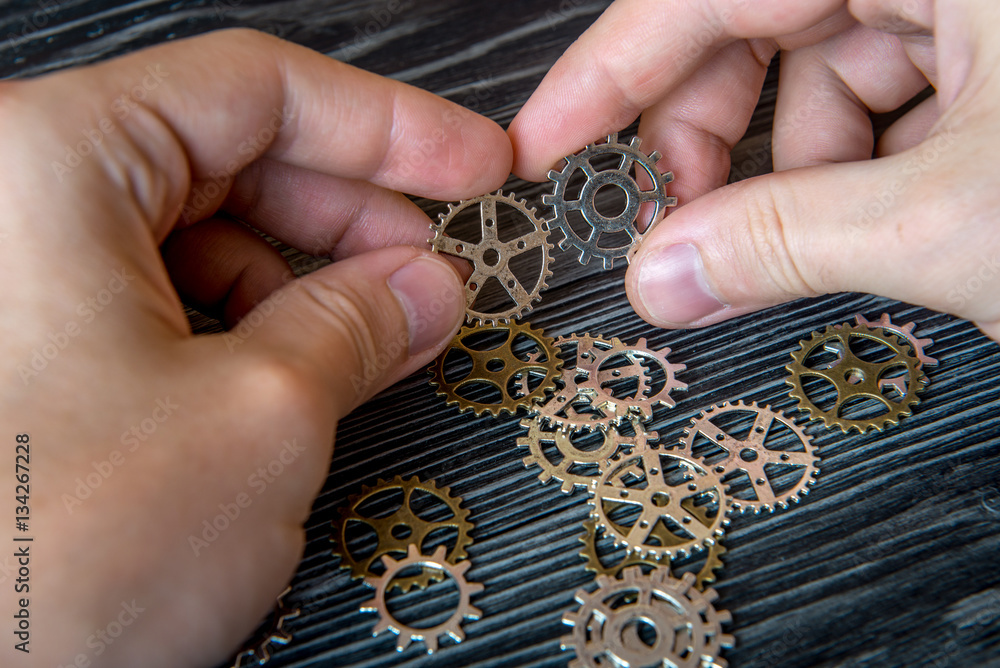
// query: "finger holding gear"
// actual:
[[492, 257]]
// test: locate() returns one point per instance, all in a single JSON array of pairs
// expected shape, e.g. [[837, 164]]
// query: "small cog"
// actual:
[[259, 652], [906, 332], [766, 468], [491, 257], [624, 224], [500, 370], [416, 529], [854, 378]]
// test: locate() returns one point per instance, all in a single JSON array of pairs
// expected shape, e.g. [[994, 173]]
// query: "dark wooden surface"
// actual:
[[892, 560]]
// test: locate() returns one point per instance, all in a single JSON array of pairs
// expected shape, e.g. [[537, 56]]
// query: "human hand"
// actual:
[[171, 474], [919, 223]]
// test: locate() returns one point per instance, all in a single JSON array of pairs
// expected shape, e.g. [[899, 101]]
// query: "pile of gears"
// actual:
[[665, 502]]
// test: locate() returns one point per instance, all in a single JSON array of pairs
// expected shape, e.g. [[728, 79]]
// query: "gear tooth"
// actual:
[[655, 157], [613, 138], [726, 640]]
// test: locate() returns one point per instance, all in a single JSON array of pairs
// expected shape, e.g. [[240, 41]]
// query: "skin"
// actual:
[[918, 223], [139, 430]]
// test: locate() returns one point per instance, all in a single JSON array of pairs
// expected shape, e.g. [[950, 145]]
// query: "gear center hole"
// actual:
[[495, 365], [854, 376], [748, 455], [610, 200], [491, 257], [639, 634], [661, 499]]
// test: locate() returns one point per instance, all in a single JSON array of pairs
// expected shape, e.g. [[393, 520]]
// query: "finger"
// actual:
[[360, 324], [825, 93], [222, 268], [697, 125], [779, 237], [899, 17], [201, 120], [324, 215], [635, 53], [911, 129]]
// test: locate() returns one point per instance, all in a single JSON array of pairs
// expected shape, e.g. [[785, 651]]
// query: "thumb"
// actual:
[[361, 324], [913, 226]]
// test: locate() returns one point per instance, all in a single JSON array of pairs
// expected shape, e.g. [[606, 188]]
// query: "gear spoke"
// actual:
[[513, 286], [455, 247]]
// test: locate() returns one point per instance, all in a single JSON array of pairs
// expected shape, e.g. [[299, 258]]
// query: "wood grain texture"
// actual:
[[891, 560]]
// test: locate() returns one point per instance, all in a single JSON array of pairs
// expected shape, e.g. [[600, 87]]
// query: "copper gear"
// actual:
[[404, 516], [590, 361], [617, 176], [705, 576], [660, 501], [688, 627], [613, 441], [513, 370], [490, 257], [407, 634], [561, 408], [904, 331], [853, 377], [751, 455], [259, 651]]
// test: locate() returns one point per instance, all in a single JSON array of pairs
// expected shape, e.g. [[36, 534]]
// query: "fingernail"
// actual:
[[432, 298], [672, 286]]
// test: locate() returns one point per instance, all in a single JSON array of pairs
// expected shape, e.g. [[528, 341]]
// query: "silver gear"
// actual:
[[490, 257], [618, 176], [688, 627], [659, 501], [751, 455], [905, 331], [407, 634], [613, 441]]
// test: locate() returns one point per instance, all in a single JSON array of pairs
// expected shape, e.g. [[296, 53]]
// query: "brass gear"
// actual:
[[688, 627], [682, 503], [511, 371], [705, 576], [258, 652], [419, 529], [407, 634], [853, 377], [751, 456], [612, 442], [490, 257]]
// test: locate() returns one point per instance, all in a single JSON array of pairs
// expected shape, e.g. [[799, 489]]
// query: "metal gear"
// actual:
[[573, 406], [501, 369], [259, 651], [751, 455], [705, 576], [491, 257], [688, 628], [407, 634], [683, 504], [571, 456], [618, 176], [404, 516], [592, 362], [906, 332], [854, 378]]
